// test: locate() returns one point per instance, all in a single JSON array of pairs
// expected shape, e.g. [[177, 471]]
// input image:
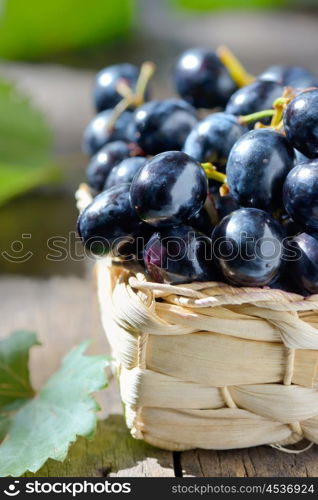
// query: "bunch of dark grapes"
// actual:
[[219, 183]]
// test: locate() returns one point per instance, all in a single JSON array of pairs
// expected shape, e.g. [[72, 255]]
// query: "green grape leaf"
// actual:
[[25, 145], [15, 385], [62, 410]]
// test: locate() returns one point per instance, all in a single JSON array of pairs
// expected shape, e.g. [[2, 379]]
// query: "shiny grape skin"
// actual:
[[169, 189], [109, 222], [202, 79], [291, 76], [103, 161], [257, 167], [248, 245], [97, 135], [304, 268], [125, 171], [301, 123], [105, 95], [301, 194], [179, 255], [163, 125], [257, 96], [212, 139]]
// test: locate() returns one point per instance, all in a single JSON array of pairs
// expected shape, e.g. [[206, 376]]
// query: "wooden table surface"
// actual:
[[64, 311]]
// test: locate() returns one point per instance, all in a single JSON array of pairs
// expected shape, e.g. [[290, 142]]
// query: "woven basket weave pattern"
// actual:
[[212, 366], [209, 365]]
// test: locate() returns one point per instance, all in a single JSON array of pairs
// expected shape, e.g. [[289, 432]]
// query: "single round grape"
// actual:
[[202, 79], [105, 93], [97, 134], [304, 266], [212, 139], [103, 161], [179, 255], [109, 224], [254, 97], [248, 245], [291, 76], [169, 189], [301, 194], [301, 123], [125, 171], [257, 167], [163, 125]]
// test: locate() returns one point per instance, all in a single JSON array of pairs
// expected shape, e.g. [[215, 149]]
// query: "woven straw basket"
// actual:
[[209, 365]]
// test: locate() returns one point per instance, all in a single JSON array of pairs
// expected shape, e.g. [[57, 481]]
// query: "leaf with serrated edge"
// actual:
[[15, 385], [46, 426]]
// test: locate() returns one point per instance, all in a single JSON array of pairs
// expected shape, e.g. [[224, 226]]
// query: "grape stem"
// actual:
[[253, 117], [279, 105], [131, 98], [238, 73], [212, 173]]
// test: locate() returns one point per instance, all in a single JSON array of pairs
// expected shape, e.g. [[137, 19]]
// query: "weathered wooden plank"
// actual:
[[261, 461]]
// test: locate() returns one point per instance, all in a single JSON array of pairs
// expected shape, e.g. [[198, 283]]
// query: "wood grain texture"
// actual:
[[260, 461]]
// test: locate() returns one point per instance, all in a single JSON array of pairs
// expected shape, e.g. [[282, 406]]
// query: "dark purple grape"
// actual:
[[212, 139], [291, 76], [163, 125], [257, 167], [97, 134], [301, 123], [179, 255], [103, 161], [109, 224], [303, 268], [202, 79], [301, 194], [257, 96], [169, 189], [105, 92], [248, 245], [125, 171]]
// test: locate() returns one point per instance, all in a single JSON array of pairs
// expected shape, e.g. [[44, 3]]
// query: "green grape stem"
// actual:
[[253, 117], [238, 73], [131, 98], [212, 173]]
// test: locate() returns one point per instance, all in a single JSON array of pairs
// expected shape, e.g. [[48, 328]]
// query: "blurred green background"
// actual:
[[49, 54]]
